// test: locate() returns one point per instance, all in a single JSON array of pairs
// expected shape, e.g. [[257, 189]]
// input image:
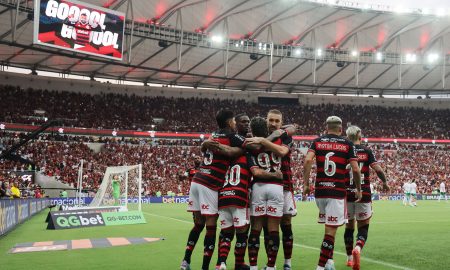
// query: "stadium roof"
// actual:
[[330, 47]]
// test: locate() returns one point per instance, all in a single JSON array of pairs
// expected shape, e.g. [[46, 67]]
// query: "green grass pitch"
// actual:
[[399, 238]]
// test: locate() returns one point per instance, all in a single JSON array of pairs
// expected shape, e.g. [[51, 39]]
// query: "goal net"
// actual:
[[121, 187]]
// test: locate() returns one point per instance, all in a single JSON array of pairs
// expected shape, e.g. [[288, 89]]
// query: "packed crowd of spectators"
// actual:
[[113, 111], [164, 164], [427, 164], [427, 167], [165, 160], [9, 137]]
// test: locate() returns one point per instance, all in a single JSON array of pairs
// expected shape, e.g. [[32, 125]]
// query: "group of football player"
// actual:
[[245, 182]]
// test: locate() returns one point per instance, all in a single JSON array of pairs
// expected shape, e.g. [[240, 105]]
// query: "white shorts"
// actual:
[[289, 207], [360, 211], [233, 217], [332, 212], [267, 200], [203, 199]]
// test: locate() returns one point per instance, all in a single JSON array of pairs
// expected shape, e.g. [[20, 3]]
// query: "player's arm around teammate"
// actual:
[[279, 150], [282, 135], [206, 183], [226, 150], [266, 200]]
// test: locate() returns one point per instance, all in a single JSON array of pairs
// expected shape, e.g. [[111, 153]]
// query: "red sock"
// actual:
[[240, 247], [326, 251], [225, 239]]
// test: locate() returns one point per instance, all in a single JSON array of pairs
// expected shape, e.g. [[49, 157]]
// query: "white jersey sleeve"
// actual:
[[406, 187], [442, 187], [413, 188]]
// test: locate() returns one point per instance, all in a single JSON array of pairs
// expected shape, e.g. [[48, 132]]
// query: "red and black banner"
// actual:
[[79, 27]]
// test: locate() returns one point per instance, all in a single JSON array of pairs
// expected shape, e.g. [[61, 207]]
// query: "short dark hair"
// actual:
[[239, 116], [222, 118], [259, 127]]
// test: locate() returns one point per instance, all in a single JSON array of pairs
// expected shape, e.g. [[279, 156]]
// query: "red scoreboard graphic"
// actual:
[[80, 27]]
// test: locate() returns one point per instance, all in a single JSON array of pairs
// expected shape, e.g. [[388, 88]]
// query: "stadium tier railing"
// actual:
[[182, 135]]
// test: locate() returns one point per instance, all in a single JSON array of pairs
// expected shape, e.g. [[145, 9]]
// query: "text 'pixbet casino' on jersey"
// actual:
[[235, 189], [333, 153], [366, 159], [214, 166]]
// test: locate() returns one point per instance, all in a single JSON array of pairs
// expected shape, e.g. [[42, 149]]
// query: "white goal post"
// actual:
[[119, 184]]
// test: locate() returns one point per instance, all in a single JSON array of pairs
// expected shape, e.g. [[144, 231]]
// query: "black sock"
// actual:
[[362, 236], [225, 238], [239, 249], [348, 240], [272, 248], [288, 240], [326, 251], [192, 241], [210, 241], [253, 247]]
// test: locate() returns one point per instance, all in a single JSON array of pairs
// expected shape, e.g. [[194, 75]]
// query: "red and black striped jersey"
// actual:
[[366, 159], [190, 173], [83, 33], [235, 189], [214, 166], [333, 153], [288, 184], [268, 161]]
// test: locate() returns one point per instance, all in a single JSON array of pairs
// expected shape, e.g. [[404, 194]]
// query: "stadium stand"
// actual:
[[165, 160], [119, 111]]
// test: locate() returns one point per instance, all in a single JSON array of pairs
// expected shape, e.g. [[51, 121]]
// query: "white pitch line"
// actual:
[[180, 220], [362, 258], [305, 246], [382, 222]]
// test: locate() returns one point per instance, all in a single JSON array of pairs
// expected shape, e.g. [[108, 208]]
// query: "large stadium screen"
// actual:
[[80, 27]]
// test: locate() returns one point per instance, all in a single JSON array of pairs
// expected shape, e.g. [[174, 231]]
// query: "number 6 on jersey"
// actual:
[[330, 166]]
